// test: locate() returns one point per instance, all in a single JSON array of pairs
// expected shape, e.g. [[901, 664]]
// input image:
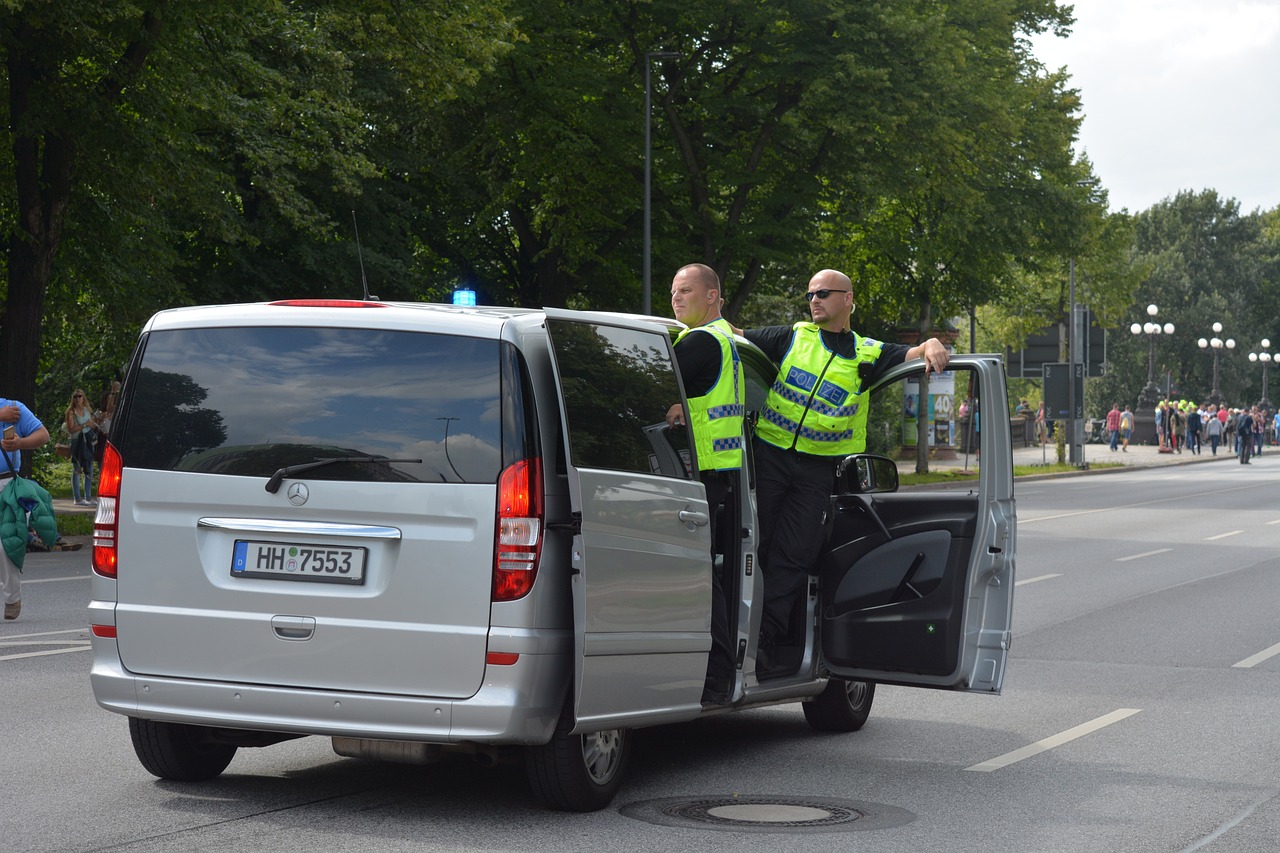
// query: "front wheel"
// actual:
[[178, 752], [578, 773], [842, 707]]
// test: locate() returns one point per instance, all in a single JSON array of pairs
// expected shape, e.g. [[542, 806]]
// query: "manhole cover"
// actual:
[[768, 813]]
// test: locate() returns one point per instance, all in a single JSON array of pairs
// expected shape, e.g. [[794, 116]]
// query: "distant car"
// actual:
[[417, 529]]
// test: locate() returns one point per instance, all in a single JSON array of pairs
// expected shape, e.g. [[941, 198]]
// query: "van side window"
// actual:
[[617, 386]]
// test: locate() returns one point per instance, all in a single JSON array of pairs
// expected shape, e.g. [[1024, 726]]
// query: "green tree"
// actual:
[[1202, 262], [159, 147], [764, 110]]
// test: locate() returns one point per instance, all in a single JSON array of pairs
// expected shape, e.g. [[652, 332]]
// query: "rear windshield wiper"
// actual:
[[273, 485]]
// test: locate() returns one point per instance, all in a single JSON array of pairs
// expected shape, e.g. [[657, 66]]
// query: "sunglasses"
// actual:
[[77, 396], [822, 294]]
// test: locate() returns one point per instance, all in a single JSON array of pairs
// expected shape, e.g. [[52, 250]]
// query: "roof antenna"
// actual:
[[360, 254]]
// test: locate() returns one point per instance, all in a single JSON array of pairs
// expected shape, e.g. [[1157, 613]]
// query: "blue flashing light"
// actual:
[[463, 296]]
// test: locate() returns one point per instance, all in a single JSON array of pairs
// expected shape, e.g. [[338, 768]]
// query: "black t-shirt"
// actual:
[[698, 357], [776, 340]]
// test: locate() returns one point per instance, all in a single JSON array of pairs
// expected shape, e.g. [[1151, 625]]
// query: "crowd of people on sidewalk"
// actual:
[[1183, 425]]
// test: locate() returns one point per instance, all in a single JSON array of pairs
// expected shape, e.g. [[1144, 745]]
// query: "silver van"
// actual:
[[420, 529]]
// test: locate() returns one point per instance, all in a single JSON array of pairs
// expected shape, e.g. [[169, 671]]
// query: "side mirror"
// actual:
[[866, 474]]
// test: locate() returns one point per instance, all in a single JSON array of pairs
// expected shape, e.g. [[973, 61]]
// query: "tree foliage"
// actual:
[[172, 151]]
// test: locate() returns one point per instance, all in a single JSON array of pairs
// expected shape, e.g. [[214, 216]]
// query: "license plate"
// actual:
[[288, 561]]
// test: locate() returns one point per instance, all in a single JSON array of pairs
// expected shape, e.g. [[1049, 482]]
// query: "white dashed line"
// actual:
[[1143, 554], [1037, 578], [1254, 660], [1057, 740]]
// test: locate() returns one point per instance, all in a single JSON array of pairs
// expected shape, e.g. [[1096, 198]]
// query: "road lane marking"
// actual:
[[1223, 535], [1254, 660], [49, 652], [1143, 554], [47, 633], [1054, 741], [1037, 578], [55, 580], [7, 644], [1277, 521], [1235, 821]]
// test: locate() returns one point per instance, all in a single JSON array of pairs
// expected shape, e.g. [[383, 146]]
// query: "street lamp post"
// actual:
[[1151, 393], [647, 301], [1216, 344], [1266, 359]]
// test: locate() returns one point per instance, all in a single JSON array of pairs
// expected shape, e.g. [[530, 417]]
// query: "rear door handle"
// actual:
[[297, 628]]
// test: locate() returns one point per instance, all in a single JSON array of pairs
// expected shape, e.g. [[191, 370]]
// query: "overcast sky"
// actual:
[[1177, 94]]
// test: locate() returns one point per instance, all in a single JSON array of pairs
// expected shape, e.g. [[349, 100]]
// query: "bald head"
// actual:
[[832, 311], [695, 295]]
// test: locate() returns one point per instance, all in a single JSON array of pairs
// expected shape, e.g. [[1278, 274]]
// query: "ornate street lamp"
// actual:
[[1216, 344], [1151, 394], [1266, 358]]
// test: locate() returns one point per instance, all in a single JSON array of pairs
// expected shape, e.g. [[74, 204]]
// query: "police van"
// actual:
[[420, 529]]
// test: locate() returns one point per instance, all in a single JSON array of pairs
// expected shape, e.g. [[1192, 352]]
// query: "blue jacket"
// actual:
[[19, 497]]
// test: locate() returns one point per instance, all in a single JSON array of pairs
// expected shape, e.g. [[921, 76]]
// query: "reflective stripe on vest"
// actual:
[[716, 417], [816, 404]]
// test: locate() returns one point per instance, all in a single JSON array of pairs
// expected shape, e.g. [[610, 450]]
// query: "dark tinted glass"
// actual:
[[618, 385], [248, 401]]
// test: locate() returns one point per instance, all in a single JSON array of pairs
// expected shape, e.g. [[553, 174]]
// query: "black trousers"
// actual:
[[722, 660], [793, 495]]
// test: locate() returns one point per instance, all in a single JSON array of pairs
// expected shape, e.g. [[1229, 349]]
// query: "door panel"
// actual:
[[916, 587], [642, 558]]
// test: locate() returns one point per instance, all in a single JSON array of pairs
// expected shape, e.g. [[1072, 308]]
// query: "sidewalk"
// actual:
[[1138, 456]]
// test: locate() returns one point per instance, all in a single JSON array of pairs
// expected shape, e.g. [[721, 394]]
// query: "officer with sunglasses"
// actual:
[[814, 416]]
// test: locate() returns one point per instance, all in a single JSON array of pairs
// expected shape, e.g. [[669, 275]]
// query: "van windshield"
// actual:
[[250, 400]]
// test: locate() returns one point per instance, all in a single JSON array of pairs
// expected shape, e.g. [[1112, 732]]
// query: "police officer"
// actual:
[[814, 416], [712, 377]]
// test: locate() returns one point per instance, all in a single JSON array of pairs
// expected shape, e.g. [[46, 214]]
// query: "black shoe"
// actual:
[[715, 699]]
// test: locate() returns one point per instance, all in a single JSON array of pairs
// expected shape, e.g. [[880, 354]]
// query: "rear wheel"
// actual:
[[578, 773], [842, 707], [178, 752]]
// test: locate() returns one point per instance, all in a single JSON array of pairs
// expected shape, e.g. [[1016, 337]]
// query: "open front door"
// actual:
[[917, 586], [641, 556]]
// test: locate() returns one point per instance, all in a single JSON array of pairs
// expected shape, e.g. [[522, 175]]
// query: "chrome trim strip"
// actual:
[[300, 528]]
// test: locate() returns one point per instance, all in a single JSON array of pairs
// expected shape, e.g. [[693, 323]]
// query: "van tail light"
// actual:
[[518, 539], [105, 523]]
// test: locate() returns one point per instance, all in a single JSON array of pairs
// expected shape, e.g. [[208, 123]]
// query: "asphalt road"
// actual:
[[1139, 715]]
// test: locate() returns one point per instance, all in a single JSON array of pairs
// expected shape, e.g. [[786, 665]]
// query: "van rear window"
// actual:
[[250, 400]]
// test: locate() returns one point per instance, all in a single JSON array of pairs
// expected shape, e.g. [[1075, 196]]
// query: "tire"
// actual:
[[842, 707], [178, 752], [578, 773]]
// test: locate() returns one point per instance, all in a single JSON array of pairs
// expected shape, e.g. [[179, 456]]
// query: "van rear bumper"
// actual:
[[516, 704]]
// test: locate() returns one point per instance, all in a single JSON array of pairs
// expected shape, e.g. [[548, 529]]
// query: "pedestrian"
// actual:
[[102, 417], [1176, 424], [22, 431], [1256, 414], [1042, 426], [805, 429], [1113, 426], [1161, 425], [1126, 427], [1275, 429], [1193, 429], [712, 377], [1213, 428], [1244, 436], [79, 422]]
